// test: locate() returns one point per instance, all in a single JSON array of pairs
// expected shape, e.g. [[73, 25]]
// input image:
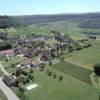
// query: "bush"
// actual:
[[54, 76], [62, 59], [97, 69], [31, 70], [50, 63], [42, 67], [60, 78], [31, 77], [49, 73]]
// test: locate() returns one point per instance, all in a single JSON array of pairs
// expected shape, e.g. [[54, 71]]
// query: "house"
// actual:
[[8, 80], [34, 64], [9, 52], [30, 63], [46, 54]]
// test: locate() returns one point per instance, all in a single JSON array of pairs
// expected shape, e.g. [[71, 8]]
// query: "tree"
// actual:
[[97, 69], [49, 73], [18, 72], [42, 66], [60, 78], [31, 77], [70, 49], [62, 59], [21, 93], [50, 62], [13, 65], [54, 75], [21, 88], [16, 83], [31, 70]]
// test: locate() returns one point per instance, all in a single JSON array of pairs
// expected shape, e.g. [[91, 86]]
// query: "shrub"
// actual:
[[42, 67], [54, 76], [50, 63], [97, 69], [49, 73], [60, 78], [31, 77], [31, 70]]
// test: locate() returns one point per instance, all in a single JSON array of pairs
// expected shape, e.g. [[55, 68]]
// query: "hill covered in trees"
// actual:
[[7, 22], [89, 20]]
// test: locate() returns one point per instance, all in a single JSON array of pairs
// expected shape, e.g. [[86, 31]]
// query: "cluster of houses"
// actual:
[[36, 46], [23, 73]]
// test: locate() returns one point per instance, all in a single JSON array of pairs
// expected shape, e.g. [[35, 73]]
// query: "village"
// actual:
[[36, 52]]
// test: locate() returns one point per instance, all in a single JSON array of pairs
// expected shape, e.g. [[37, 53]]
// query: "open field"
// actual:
[[87, 57], [74, 71], [53, 89]]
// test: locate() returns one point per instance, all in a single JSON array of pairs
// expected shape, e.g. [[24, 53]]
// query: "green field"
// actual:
[[2, 96], [74, 71], [53, 89], [63, 26], [87, 57]]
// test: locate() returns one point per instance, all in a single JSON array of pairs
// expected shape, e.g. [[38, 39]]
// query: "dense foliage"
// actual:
[[7, 22], [5, 45], [90, 20]]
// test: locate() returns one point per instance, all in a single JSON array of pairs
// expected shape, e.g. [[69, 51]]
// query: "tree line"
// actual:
[[7, 22]]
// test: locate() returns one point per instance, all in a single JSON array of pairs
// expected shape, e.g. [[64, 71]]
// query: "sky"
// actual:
[[33, 7]]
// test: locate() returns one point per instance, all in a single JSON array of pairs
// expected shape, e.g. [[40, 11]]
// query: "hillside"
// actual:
[[7, 22], [89, 20], [42, 24]]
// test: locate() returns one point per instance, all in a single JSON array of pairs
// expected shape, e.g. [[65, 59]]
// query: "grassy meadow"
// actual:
[[87, 56], [52, 89], [74, 71]]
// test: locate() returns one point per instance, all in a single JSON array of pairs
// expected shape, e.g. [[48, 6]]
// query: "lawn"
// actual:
[[53, 89], [2, 96], [1, 73], [87, 57], [74, 71], [8, 64]]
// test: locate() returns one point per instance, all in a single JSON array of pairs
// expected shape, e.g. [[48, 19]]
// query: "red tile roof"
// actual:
[[9, 52]]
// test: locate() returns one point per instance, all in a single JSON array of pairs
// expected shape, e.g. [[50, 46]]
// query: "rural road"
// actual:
[[5, 89]]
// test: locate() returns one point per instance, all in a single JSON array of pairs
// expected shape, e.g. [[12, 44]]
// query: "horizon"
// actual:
[[53, 14], [48, 7]]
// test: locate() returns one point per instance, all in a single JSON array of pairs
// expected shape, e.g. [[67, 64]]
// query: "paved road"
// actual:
[[5, 89]]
